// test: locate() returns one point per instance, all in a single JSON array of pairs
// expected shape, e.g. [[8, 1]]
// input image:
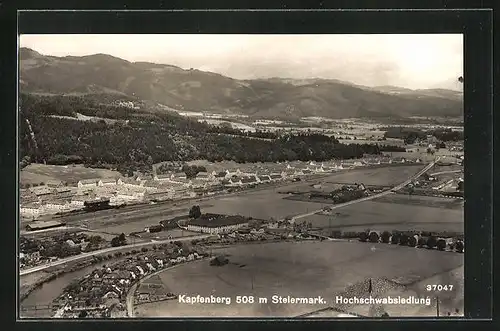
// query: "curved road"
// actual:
[[378, 195], [446, 172], [114, 249], [106, 250]]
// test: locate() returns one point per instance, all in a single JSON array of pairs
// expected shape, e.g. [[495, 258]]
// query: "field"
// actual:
[[37, 173], [269, 203], [396, 212], [301, 269], [263, 204]]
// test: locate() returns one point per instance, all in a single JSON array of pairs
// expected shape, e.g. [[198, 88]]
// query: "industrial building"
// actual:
[[39, 225]]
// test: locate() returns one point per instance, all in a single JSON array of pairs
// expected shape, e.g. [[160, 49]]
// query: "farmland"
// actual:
[[287, 269], [397, 212], [268, 203], [38, 173]]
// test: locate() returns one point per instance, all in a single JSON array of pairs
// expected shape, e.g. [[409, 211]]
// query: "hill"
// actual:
[[197, 90], [439, 93]]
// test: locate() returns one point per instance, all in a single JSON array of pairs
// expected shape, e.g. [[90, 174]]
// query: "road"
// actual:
[[114, 249], [378, 195], [105, 251], [446, 172]]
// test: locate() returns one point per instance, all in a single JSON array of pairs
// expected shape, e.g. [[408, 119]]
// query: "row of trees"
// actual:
[[410, 135]]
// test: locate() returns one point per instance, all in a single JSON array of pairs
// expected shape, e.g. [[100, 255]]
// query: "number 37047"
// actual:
[[439, 288]]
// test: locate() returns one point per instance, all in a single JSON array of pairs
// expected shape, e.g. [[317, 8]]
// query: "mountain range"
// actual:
[[196, 90]]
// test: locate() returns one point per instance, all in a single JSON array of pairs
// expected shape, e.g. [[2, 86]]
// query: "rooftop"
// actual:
[[41, 224], [217, 220]]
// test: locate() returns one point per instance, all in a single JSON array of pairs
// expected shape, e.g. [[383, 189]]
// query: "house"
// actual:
[[220, 175], [106, 182], [203, 175], [235, 181], [88, 183], [141, 271], [41, 191], [54, 183], [30, 210], [247, 180], [70, 242], [33, 226], [111, 295], [307, 172], [163, 177], [63, 192], [78, 201], [130, 182], [56, 205], [275, 176], [264, 178]]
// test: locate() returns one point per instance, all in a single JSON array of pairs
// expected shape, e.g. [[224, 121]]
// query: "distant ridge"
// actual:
[[197, 90]]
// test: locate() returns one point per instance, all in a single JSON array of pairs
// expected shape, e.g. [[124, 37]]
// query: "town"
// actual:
[[144, 182]]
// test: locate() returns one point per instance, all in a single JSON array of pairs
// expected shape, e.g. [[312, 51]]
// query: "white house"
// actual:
[[204, 175], [106, 182], [84, 183], [30, 210], [130, 182], [163, 177], [56, 205]]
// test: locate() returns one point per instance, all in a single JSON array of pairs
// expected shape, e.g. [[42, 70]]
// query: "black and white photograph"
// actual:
[[241, 175]]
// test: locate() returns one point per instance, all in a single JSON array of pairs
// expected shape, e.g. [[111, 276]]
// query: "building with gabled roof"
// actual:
[[106, 182], [88, 183]]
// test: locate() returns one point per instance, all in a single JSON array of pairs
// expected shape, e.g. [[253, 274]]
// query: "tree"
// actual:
[[122, 238], [115, 242], [195, 212], [83, 314]]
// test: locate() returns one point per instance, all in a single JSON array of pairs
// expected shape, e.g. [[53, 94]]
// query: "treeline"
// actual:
[[161, 137], [410, 134], [391, 148], [447, 134]]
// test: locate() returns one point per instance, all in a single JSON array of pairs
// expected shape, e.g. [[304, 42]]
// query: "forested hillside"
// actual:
[[143, 138]]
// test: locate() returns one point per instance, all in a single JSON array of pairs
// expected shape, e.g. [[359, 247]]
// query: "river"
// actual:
[[49, 291]]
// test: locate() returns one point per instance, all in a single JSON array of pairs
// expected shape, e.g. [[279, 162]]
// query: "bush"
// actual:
[[363, 236], [155, 247], [395, 237], [385, 237], [459, 246], [403, 240], [413, 241], [144, 249], [374, 237], [431, 242], [441, 244], [421, 242]]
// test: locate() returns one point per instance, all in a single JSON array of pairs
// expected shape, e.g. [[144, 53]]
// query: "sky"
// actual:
[[411, 61]]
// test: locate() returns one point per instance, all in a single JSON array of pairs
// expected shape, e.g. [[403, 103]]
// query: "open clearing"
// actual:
[[299, 269], [36, 173]]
